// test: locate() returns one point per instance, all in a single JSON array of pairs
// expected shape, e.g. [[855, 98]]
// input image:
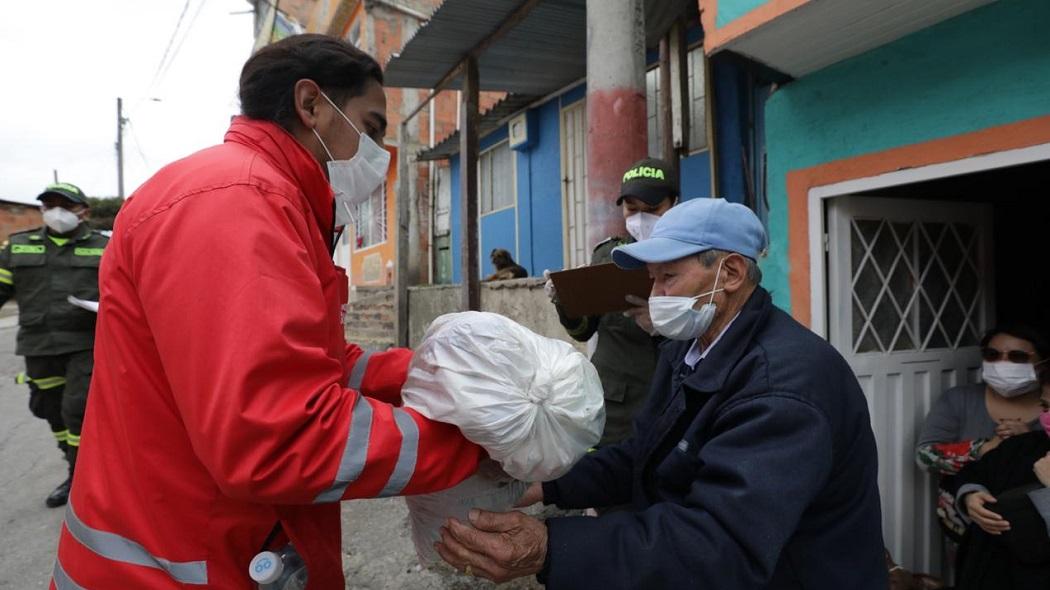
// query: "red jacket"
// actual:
[[224, 396]]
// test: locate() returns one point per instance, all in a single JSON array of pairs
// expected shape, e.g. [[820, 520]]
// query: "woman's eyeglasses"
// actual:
[[1014, 356]]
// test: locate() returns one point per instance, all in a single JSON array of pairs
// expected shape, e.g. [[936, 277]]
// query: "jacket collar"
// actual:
[[290, 158], [712, 372]]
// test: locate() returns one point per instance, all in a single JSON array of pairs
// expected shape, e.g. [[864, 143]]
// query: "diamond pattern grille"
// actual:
[[915, 285]]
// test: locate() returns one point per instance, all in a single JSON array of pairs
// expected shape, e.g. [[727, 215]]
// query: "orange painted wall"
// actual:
[[799, 182], [386, 251], [715, 36]]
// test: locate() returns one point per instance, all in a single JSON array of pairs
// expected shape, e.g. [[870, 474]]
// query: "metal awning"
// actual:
[[489, 122], [545, 51]]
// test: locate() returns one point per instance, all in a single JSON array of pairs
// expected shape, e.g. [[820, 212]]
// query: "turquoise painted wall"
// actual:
[[730, 10], [985, 68]]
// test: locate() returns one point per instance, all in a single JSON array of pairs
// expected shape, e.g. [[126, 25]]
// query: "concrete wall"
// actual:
[[522, 300], [982, 69]]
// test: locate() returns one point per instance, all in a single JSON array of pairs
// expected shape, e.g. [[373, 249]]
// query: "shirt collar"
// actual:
[[694, 355]]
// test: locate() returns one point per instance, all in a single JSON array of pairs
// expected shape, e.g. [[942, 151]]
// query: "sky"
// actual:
[[65, 62]]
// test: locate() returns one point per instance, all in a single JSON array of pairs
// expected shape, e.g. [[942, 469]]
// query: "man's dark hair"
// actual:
[[268, 77]]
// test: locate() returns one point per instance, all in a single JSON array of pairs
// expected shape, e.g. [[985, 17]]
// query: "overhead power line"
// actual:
[[171, 42], [185, 35]]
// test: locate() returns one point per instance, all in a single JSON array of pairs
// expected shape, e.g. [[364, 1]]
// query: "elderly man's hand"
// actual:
[[500, 546]]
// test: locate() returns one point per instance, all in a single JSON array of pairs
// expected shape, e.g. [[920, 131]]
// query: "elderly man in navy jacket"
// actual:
[[752, 466]]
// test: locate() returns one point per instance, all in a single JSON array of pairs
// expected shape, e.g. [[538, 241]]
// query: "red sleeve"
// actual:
[[231, 293], [379, 375]]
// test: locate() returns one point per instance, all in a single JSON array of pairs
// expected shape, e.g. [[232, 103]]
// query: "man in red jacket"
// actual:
[[225, 399]]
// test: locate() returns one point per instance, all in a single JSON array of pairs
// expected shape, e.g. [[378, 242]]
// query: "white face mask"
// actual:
[[355, 180], [675, 318], [62, 221], [640, 225], [1010, 379]]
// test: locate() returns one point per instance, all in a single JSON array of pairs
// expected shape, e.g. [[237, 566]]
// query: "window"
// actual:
[[496, 181], [370, 220], [696, 100], [652, 109], [443, 202]]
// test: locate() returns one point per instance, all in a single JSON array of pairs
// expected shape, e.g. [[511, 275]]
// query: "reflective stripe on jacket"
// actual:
[[225, 397]]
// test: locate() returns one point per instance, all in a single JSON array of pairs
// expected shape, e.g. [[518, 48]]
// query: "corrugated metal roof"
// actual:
[[489, 122], [545, 51]]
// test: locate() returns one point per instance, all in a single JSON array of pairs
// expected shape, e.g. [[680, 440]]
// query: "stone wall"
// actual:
[[370, 317], [522, 300]]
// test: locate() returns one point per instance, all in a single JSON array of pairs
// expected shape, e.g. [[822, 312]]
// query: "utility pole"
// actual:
[[120, 147], [55, 171]]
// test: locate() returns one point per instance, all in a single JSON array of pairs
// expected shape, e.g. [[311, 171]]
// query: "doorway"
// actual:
[[910, 277]]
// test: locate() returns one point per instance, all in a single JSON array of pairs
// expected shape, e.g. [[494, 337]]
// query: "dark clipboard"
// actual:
[[599, 289]]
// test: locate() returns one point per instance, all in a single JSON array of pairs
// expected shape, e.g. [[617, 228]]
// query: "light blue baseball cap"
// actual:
[[695, 226]]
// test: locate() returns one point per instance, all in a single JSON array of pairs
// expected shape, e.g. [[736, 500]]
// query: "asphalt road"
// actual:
[[30, 467], [377, 548]]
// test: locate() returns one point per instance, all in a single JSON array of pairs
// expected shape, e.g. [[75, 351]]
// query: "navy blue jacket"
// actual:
[[773, 484]]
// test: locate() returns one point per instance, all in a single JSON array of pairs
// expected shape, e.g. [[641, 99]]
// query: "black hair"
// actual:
[[1022, 331], [268, 78]]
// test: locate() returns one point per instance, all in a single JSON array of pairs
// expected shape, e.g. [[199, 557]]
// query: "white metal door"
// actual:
[[910, 290], [574, 184]]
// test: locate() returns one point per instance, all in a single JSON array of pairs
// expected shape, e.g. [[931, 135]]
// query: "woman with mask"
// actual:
[[625, 355], [1005, 497], [228, 416], [970, 420]]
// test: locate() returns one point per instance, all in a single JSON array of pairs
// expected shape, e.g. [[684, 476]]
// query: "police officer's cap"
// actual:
[[650, 180], [67, 191]]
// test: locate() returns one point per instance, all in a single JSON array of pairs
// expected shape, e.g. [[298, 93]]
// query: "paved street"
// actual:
[[30, 467], [378, 552]]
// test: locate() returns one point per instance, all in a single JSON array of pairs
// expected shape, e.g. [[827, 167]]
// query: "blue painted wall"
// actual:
[[982, 69], [539, 174], [695, 176], [533, 229]]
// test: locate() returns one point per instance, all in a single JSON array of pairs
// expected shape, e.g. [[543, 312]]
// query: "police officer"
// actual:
[[626, 351], [41, 268]]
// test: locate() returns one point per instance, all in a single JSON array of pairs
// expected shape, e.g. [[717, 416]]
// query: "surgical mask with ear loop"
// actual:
[[1010, 379], [359, 178], [674, 317]]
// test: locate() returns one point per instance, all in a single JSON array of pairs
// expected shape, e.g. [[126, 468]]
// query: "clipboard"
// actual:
[[599, 289]]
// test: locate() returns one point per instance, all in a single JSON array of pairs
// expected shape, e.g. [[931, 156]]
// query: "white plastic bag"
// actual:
[[429, 512], [534, 403]]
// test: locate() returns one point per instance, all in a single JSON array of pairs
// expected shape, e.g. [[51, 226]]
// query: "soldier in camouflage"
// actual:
[[626, 352], [41, 268]]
